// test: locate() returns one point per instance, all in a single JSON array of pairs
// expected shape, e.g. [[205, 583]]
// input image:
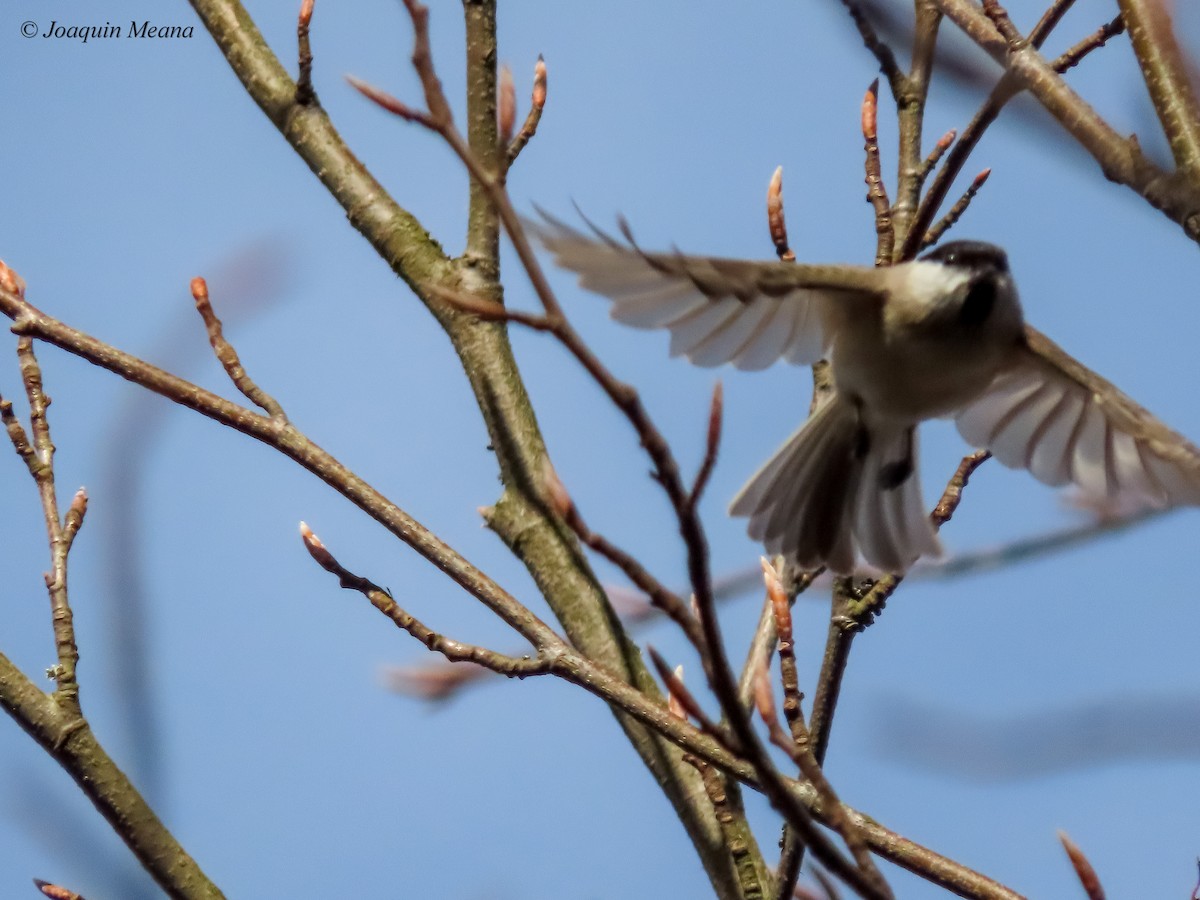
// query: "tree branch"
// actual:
[[1166, 77], [1176, 195]]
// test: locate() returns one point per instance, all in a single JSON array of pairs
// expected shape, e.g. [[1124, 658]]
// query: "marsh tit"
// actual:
[[943, 335]]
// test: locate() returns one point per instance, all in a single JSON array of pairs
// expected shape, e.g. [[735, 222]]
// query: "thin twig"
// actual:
[[798, 748], [534, 117], [1176, 195], [838, 640], [883, 54], [1049, 21], [763, 642], [16, 434], [781, 611], [936, 154], [853, 610], [491, 311], [41, 467], [948, 221], [56, 722], [382, 600], [228, 357], [885, 235], [305, 95], [1073, 56], [910, 114], [661, 598], [712, 442], [1004, 90], [687, 702], [827, 885]]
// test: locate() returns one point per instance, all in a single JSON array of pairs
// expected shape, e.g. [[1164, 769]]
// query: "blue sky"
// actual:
[[281, 761]]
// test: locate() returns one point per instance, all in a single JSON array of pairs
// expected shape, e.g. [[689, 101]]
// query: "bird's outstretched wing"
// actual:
[[1050, 414], [717, 310]]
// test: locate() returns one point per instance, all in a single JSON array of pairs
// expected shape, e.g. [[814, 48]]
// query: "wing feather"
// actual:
[[717, 310], [1049, 413]]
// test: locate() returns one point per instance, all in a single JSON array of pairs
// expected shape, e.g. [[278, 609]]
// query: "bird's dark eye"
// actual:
[[977, 305]]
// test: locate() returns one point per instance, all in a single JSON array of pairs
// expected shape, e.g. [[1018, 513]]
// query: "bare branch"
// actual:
[[935, 155], [948, 221], [228, 357], [797, 747], [1153, 37], [661, 598], [712, 443], [1176, 195], [382, 600], [534, 117], [41, 467], [305, 95], [989, 111], [1073, 56], [762, 645], [883, 54], [284, 437], [685, 701], [885, 234], [910, 110]]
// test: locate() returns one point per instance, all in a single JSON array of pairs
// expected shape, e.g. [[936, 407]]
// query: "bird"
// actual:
[[940, 336]]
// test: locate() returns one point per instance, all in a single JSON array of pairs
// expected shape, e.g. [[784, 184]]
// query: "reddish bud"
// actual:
[[539, 83], [764, 697], [676, 693], [316, 549], [309, 538], [775, 220], [674, 706], [870, 113], [1087, 875], [199, 290], [384, 99], [780, 607], [11, 281], [556, 491], [76, 511], [54, 892], [434, 681], [506, 105], [306, 11], [716, 410]]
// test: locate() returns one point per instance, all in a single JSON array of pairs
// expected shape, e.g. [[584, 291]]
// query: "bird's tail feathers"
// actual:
[[837, 489]]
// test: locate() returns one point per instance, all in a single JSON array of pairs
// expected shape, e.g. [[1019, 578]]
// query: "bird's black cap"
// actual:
[[973, 255]]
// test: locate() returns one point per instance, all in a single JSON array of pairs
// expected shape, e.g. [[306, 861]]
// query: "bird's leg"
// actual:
[[895, 473]]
